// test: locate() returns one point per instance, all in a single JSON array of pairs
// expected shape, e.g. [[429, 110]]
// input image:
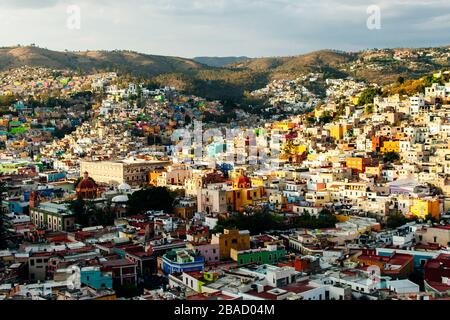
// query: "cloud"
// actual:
[[28, 4], [226, 27]]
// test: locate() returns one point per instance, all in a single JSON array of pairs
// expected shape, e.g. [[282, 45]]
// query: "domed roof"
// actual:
[[86, 184], [242, 180], [120, 199], [124, 187]]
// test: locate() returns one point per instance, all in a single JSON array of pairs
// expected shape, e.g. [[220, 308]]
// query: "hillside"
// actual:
[[126, 61], [230, 82], [219, 62]]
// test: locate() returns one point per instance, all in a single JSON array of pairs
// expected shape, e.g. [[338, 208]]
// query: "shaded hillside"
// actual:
[[219, 62]]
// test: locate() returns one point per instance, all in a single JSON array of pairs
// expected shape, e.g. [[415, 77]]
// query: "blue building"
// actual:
[[53, 176], [182, 260], [16, 206], [95, 278], [420, 257]]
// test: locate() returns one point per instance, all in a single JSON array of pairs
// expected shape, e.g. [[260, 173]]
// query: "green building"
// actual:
[[271, 254], [53, 216]]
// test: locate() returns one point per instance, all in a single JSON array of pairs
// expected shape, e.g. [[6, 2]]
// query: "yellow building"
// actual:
[[153, 177], [422, 208], [231, 239], [374, 171], [284, 126], [390, 146], [338, 131], [244, 194], [257, 182], [354, 100], [294, 149]]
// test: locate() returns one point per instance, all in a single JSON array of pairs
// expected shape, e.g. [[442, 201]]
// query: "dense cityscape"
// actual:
[[114, 188], [199, 159]]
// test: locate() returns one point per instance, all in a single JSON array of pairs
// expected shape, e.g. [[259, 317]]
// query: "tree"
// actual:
[[324, 220], [152, 198], [369, 109], [396, 220], [368, 95], [325, 118], [258, 221], [87, 213], [390, 157], [79, 209]]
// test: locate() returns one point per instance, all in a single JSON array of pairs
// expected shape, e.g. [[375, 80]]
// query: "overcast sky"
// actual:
[[254, 28]]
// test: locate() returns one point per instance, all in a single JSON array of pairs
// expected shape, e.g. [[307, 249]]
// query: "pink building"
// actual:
[[209, 251]]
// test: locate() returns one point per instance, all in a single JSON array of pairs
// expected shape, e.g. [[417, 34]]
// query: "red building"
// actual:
[[437, 275], [398, 265]]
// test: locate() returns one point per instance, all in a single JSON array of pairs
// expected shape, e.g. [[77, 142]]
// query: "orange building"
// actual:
[[377, 143], [358, 164]]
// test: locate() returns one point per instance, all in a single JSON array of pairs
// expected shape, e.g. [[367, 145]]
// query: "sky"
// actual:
[[254, 28]]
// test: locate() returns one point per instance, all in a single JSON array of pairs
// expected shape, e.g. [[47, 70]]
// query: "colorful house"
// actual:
[[423, 208], [231, 239], [182, 260], [95, 278], [358, 164], [271, 254], [390, 146]]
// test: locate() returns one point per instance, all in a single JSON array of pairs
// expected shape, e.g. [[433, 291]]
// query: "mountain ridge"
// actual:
[[233, 81]]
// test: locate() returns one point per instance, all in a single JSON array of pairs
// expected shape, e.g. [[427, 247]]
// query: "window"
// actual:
[[32, 262]]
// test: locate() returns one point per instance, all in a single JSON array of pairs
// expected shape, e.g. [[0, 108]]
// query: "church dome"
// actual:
[[242, 182], [124, 187], [87, 188], [86, 184]]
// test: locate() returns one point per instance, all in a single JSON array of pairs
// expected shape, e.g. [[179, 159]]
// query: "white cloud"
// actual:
[[226, 27]]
